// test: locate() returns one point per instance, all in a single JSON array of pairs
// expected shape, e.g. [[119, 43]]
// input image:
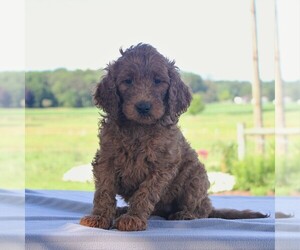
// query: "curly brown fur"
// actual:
[[143, 155]]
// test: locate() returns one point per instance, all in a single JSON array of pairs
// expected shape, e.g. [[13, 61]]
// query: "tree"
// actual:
[[73, 89], [268, 90], [197, 105], [211, 93], [281, 140], [224, 95], [38, 84], [12, 83], [256, 85], [5, 98], [29, 98], [195, 82]]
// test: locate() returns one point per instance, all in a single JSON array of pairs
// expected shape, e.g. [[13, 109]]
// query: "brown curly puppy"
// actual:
[[143, 155]]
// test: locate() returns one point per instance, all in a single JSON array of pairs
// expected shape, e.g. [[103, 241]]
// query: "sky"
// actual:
[[212, 38]]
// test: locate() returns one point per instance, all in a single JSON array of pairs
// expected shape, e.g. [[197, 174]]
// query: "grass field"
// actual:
[[12, 163], [59, 139]]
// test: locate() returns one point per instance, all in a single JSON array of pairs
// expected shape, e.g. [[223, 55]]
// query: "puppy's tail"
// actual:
[[232, 214]]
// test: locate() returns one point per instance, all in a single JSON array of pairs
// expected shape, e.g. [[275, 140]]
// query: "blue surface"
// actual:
[[52, 222]]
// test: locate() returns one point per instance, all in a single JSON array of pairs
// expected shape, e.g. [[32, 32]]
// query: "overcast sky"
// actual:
[[210, 37]]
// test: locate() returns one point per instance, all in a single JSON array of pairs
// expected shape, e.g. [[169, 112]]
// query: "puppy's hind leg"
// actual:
[[201, 210], [193, 201]]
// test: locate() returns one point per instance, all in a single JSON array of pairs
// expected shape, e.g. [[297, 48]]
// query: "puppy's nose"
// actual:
[[143, 107]]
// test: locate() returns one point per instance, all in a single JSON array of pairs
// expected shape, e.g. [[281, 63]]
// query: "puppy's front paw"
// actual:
[[130, 223], [96, 221]]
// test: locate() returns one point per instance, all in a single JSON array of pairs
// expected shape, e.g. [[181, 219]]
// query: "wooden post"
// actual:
[[256, 88], [241, 141], [281, 140]]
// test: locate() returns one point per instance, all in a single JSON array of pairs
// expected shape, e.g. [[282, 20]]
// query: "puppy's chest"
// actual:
[[133, 162]]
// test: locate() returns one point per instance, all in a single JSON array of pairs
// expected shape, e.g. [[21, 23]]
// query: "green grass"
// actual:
[[12, 162], [58, 139]]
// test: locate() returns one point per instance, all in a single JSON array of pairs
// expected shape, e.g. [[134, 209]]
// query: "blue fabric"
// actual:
[[52, 222]]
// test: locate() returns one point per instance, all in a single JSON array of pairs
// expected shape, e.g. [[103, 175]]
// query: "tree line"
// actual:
[[66, 88]]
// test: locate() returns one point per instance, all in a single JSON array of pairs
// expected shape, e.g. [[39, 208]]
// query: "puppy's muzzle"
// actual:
[[143, 108]]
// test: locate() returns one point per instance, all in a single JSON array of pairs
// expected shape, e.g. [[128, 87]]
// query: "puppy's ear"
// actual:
[[179, 94], [106, 96]]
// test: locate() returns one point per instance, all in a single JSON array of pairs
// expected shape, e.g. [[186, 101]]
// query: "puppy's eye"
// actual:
[[157, 81], [128, 81]]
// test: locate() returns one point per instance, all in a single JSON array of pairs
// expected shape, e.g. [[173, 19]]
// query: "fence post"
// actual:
[[241, 142]]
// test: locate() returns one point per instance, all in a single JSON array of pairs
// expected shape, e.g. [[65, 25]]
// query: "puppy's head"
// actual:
[[143, 86]]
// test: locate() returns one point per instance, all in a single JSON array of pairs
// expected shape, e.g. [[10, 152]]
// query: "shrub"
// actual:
[[227, 150], [197, 105], [288, 174], [256, 173]]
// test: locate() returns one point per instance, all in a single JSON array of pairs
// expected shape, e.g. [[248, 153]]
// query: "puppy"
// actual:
[[143, 155]]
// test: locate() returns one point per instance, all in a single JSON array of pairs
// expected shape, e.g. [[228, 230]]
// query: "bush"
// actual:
[[197, 105], [227, 150], [256, 174], [288, 174]]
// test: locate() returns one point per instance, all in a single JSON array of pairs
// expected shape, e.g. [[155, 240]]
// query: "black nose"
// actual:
[[143, 107]]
